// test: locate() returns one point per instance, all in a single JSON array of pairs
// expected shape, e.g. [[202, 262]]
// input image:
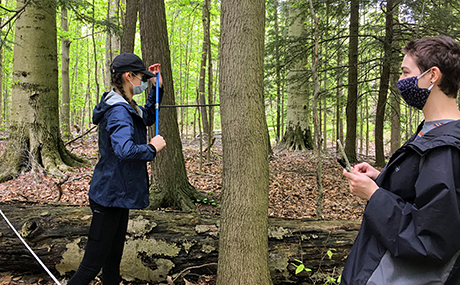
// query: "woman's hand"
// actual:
[[360, 183], [155, 69], [158, 142], [367, 169]]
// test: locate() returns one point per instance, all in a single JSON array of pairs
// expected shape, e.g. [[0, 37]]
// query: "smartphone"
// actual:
[[345, 164]]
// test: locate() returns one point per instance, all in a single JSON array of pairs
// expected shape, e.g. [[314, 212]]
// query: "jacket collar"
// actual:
[[448, 134]]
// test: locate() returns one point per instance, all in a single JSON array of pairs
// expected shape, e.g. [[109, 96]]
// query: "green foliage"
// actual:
[[300, 267], [208, 201], [329, 279]]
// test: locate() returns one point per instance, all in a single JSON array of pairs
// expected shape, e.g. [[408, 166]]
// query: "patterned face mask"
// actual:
[[411, 93]]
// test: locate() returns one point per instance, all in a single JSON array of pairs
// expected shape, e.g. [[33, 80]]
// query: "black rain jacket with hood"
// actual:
[[410, 233]]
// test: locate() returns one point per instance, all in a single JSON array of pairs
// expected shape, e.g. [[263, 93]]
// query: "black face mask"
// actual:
[[412, 93]]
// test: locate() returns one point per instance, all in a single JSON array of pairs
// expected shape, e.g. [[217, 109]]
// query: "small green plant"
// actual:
[[208, 201], [330, 252], [329, 280], [301, 267]]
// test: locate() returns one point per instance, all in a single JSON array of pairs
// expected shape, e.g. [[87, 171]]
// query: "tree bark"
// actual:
[[34, 140], [383, 88], [65, 106], [161, 244], [169, 183], [129, 26], [352, 100], [243, 242], [112, 43], [316, 116], [204, 53], [298, 134]]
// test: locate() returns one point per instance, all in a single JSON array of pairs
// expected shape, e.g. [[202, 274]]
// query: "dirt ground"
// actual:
[[293, 187]]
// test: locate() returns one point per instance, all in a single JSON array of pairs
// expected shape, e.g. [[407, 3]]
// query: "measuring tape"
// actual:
[[30, 250]]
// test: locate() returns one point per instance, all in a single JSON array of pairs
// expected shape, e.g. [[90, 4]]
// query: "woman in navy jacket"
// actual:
[[410, 233], [120, 180]]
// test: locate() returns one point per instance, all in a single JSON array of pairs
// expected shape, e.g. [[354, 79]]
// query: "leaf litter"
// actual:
[[292, 186]]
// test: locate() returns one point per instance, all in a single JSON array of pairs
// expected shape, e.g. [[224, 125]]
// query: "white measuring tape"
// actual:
[[31, 251]]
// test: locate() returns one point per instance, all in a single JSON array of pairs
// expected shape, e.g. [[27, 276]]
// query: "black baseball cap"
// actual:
[[129, 62]]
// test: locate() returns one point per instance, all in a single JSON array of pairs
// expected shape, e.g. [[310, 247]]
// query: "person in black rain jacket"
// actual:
[[410, 232], [120, 180]]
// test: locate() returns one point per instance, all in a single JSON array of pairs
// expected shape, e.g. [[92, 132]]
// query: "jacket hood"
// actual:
[[448, 134], [108, 100]]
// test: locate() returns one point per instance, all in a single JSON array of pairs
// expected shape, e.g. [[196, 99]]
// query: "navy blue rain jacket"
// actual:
[[410, 233], [120, 177]]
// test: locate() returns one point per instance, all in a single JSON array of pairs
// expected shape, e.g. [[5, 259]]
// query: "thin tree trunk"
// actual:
[[383, 88], [112, 43], [278, 70], [65, 106], [352, 101], [129, 26], [317, 125], [1, 77], [210, 89], [339, 102], [204, 54], [243, 245]]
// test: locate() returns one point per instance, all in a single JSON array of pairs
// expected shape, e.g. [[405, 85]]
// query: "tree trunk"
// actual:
[[243, 242], [352, 100], [161, 244], [395, 104], [298, 132], [383, 88], [65, 105], [129, 26], [395, 101], [210, 109], [1, 76], [339, 103], [170, 186], [34, 139], [317, 125], [202, 81], [112, 43]]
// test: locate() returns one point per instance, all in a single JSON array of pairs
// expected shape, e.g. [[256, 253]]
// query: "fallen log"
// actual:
[[161, 244]]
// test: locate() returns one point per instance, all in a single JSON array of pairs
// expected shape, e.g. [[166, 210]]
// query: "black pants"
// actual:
[[104, 249]]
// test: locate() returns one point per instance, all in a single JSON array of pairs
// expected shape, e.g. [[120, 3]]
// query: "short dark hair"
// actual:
[[442, 52]]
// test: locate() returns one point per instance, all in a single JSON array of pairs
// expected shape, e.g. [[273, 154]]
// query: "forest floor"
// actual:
[[293, 187]]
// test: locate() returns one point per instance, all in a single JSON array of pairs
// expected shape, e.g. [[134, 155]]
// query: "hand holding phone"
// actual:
[[345, 164]]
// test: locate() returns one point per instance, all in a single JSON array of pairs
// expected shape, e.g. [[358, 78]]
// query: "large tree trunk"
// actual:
[[129, 26], [161, 244], [34, 139], [243, 240], [383, 88], [170, 186], [352, 100], [65, 104], [298, 132]]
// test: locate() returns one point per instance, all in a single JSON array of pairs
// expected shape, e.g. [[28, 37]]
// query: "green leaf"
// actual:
[[330, 253], [299, 269]]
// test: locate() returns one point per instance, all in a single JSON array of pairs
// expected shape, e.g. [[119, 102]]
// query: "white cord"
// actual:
[[31, 251]]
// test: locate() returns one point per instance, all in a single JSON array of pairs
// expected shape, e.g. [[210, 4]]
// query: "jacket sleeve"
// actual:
[[148, 111], [428, 228], [120, 128]]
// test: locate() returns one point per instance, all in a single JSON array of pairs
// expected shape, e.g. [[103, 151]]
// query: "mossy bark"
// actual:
[[161, 244], [34, 139]]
